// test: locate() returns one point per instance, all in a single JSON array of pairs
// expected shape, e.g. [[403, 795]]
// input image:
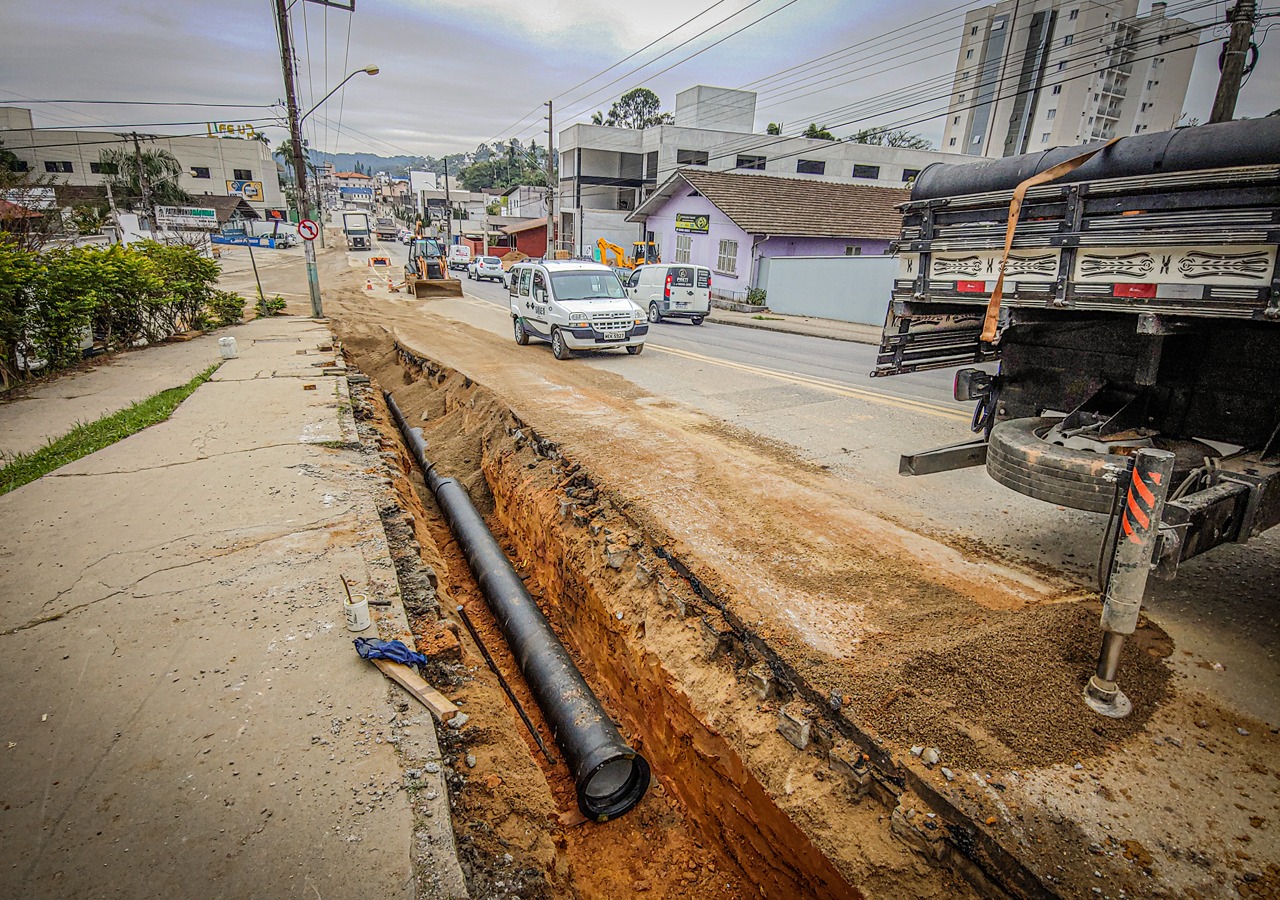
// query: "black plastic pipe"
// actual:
[[609, 776]]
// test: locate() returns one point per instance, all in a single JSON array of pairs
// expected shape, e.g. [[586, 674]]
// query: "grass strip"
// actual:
[[93, 436]]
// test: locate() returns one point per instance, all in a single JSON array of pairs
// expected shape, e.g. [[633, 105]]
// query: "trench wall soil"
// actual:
[[624, 614]]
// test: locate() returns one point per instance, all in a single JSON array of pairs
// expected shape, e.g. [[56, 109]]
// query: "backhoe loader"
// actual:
[[426, 273]]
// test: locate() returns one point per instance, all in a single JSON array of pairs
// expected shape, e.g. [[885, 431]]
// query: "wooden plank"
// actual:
[[412, 682]]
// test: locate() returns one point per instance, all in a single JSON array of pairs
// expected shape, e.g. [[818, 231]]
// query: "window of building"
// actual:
[[684, 248], [691, 157], [910, 174], [955, 121], [51, 165], [1146, 106], [243, 174], [1061, 66], [964, 76], [1066, 41], [1057, 89], [1073, 15], [750, 162], [1051, 114], [977, 139], [98, 168], [811, 167], [951, 143], [199, 171], [853, 250], [973, 30], [1149, 84], [1044, 138], [20, 165], [727, 258], [866, 171], [968, 54]]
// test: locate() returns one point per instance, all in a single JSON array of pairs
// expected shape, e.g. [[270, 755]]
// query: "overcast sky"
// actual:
[[458, 72]]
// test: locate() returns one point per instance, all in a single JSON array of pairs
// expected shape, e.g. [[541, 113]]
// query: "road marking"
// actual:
[[873, 396]]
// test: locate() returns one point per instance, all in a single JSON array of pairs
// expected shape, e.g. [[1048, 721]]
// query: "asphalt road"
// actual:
[[814, 398]]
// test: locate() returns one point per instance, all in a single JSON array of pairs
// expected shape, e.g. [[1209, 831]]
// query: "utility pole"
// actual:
[[448, 208], [551, 186], [142, 182], [299, 163], [1233, 60]]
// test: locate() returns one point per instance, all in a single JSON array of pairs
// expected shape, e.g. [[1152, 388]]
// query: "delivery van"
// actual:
[[574, 305], [671, 291], [459, 256]]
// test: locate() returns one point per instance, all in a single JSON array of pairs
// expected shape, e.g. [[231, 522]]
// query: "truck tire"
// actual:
[[696, 320], [635, 349], [1019, 458], [558, 348], [654, 316], [522, 336]]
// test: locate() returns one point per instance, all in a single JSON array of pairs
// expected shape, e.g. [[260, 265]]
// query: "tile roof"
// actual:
[[799, 207], [350, 175], [526, 225]]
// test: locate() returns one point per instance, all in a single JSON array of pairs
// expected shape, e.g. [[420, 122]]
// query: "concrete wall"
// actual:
[[846, 288]]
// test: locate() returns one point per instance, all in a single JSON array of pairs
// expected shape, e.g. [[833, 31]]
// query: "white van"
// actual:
[[459, 256], [576, 306], [675, 291]]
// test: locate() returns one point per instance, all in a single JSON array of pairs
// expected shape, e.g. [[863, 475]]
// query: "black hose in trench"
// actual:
[[610, 777]]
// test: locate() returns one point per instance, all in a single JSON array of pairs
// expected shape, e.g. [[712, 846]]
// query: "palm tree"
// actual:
[[156, 169]]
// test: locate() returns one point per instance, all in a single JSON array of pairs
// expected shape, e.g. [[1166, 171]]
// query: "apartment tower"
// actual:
[[1035, 74]]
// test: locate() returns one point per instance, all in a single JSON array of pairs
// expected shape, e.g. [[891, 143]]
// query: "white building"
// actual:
[[606, 172], [220, 165], [1035, 74]]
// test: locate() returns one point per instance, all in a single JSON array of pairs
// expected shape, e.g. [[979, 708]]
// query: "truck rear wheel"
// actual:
[[654, 315], [522, 336]]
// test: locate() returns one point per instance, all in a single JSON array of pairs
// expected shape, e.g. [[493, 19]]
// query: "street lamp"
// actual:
[[300, 176]]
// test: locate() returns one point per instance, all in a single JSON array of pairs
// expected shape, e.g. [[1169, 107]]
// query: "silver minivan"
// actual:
[[671, 291]]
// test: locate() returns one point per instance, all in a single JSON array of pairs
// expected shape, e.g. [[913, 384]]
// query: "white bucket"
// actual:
[[357, 610], [227, 347]]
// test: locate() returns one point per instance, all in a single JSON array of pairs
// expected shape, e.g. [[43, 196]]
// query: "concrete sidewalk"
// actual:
[[184, 714], [806, 325]]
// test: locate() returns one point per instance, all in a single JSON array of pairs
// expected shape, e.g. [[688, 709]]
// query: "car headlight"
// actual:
[[577, 320], [640, 318]]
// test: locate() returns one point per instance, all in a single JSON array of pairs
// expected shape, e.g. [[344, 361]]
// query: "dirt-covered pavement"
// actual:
[[913, 641]]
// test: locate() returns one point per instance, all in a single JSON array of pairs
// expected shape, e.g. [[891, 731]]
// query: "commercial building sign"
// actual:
[[219, 129], [249, 190], [193, 217], [689, 223]]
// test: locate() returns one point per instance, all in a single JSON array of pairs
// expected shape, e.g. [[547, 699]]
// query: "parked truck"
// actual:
[[355, 225], [1140, 308]]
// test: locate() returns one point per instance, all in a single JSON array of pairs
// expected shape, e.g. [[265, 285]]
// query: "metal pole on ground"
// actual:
[[1139, 531]]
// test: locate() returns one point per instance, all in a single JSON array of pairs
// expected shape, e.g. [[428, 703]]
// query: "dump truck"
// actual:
[[355, 225], [1127, 294], [385, 228], [1139, 306], [426, 274]]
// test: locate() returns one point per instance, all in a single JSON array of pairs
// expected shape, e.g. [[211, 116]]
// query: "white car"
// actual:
[[459, 256], [575, 306], [485, 268]]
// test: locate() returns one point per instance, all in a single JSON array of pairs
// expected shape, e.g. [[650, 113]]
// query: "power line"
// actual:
[[161, 103]]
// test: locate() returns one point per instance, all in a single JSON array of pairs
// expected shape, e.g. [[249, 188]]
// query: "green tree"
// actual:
[[638, 108], [886, 138], [188, 278], [129, 171], [774, 128], [813, 131]]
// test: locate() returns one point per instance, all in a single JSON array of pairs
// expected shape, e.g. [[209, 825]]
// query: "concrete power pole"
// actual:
[[299, 163], [1233, 60], [143, 184], [551, 185]]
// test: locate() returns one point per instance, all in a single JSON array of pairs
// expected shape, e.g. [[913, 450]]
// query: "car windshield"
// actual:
[[587, 286]]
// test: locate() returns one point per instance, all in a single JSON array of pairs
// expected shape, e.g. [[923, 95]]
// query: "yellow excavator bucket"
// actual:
[[425, 288]]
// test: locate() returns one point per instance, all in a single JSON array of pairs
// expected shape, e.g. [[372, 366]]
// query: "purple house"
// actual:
[[730, 221]]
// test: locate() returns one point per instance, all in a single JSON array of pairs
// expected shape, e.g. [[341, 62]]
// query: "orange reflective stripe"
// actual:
[[1143, 491], [1138, 515]]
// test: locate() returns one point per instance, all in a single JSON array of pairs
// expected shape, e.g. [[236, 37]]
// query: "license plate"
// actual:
[[615, 335], [682, 304]]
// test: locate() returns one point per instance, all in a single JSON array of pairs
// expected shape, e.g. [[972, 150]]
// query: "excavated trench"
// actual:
[[736, 809]]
